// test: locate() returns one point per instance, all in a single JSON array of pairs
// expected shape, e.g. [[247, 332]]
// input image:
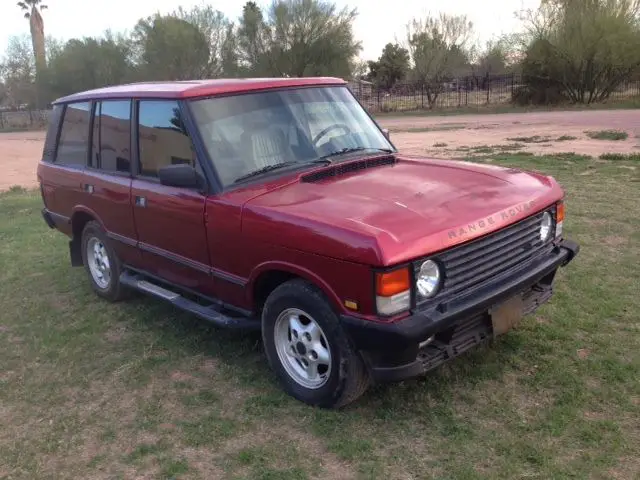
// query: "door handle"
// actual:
[[88, 188], [141, 201]]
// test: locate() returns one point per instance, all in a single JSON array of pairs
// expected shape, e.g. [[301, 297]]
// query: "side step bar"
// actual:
[[210, 313]]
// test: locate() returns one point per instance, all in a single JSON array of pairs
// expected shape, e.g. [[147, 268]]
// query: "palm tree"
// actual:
[[32, 10]]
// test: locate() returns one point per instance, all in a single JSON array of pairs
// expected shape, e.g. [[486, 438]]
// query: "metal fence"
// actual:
[[23, 120], [461, 92]]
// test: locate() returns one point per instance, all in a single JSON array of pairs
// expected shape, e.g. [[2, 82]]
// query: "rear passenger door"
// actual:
[[169, 220], [64, 177], [107, 179]]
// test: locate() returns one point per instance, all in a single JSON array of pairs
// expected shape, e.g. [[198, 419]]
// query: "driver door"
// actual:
[[170, 221]]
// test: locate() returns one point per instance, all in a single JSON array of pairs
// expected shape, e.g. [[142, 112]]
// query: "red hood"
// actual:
[[390, 214]]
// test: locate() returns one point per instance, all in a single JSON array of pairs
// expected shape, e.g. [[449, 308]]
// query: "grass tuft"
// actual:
[[633, 157], [532, 139], [607, 135]]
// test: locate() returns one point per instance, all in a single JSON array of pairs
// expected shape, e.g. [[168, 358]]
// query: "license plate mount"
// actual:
[[506, 315]]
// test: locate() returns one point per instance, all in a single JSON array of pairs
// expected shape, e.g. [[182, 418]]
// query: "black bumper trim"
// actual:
[[46, 215], [405, 333], [466, 335], [54, 219]]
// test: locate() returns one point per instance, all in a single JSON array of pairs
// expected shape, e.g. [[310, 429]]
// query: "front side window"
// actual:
[[249, 132], [162, 137], [112, 136], [74, 136]]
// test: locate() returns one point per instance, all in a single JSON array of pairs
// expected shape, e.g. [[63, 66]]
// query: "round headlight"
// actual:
[[428, 279], [546, 226]]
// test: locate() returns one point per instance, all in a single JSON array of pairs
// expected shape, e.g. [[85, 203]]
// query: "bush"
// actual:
[[537, 93]]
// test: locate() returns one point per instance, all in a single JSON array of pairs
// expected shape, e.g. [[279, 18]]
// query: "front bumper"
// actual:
[[429, 337]]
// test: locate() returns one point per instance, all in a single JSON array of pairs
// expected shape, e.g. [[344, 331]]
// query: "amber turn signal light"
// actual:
[[560, 212], [391, 283]]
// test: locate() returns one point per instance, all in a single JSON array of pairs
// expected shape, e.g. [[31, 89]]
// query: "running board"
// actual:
[[210, 313]]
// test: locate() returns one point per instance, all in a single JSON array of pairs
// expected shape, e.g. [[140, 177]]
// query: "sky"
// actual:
[[378, 22]]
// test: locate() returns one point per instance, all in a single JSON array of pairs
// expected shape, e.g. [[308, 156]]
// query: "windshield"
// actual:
[[259, 132]]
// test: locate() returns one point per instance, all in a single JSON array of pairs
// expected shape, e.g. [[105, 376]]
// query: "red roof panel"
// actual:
[[196, 88]]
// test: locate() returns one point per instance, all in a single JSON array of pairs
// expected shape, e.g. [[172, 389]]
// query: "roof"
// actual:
[[196, 88]]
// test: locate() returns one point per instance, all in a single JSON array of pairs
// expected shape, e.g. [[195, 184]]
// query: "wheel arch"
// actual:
[[266, 277], [79, 219]]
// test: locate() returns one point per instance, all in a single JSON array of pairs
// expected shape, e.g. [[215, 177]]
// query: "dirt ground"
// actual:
[[538, 132]]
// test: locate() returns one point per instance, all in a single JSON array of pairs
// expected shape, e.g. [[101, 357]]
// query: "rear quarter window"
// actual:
[[73, 144], [49, 150]]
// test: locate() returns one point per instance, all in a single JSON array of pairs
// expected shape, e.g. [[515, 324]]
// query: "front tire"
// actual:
[[307, 348], [101, 263]]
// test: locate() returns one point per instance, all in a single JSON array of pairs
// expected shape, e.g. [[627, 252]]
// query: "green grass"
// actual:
[[90, 389], [620, 156], [539, 139], [607, 135], [532, 139]]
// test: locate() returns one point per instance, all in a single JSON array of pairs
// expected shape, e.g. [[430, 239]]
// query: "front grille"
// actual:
[[478, 261]]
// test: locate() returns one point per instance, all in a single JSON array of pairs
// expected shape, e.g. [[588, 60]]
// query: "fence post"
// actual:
[[488, 80], [422, 96], [513, 85]]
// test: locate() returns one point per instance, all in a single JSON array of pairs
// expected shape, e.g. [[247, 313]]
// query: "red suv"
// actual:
[[280, 205]]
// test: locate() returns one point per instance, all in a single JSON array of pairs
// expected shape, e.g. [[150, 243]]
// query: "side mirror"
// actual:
[[387, 135], [181, 175]]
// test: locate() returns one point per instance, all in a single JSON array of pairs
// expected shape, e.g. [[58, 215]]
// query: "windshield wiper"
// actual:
[[353, 149], [265, 169], [276, 166]]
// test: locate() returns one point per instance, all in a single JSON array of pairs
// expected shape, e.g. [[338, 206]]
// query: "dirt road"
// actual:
[[539, 132]]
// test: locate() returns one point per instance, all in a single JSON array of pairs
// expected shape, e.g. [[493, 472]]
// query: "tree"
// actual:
[[19, 72], [32, 9], [297, 38], [583, 49], [170, 48], [439, 50], [84, 64], [360, 69], [311, 37], [493, 59], [220, 35], [391, 67], [252, 40]]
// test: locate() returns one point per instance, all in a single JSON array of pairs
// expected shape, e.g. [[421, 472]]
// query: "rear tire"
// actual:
[[101, 263], [307, 348]]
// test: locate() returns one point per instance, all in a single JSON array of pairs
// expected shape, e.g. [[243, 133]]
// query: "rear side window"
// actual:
[[49, 150], [74, 136], [162, 137], [112, 136]]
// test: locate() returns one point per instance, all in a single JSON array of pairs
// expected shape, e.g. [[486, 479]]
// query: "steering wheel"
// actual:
[[342, 126]]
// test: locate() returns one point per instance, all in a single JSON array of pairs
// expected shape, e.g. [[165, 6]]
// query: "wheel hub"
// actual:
[[98, 262], [302, 348]]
